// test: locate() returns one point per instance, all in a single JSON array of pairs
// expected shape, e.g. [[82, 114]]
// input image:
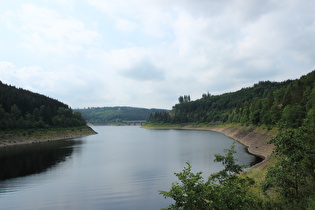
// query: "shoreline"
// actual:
[[21, 137], [254, 138]]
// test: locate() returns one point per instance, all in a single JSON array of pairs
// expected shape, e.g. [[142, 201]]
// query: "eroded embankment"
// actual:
[[255, 138], [42, 135]]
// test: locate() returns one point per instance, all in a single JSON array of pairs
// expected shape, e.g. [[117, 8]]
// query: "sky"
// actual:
[[147, 53]]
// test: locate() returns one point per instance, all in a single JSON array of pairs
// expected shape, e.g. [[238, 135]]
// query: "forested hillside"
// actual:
[[286, 180], [266, 103], [23, 109], [112, 115]]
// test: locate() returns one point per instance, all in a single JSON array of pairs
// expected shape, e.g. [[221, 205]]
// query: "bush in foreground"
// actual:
[[222, 190]]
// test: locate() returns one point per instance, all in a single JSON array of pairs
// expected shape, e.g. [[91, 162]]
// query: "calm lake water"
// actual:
[[120, 168]]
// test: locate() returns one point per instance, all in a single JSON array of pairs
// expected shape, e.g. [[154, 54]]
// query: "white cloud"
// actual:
[[46, 31], [11, 74], [66, 85], [149, 17], [144, 71], [149, 52], [125, 25]]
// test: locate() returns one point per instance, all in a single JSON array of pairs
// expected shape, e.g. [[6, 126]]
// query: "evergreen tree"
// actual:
[[22, 109]]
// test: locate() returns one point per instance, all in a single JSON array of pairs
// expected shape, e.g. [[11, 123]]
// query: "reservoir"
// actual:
[[122, 167]]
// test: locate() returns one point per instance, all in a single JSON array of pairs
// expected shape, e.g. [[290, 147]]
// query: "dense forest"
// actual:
[[23, 109], [287, 179], [266, 103], [115, 115]]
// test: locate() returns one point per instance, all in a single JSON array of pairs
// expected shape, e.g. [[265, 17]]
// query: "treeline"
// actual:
[[23, 109], [266, 103], [109, 115], [290, 179]]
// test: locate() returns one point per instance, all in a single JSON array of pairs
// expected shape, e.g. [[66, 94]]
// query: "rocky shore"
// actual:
[[255, 138]]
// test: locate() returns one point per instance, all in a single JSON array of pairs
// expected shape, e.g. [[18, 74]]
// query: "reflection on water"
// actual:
[[22, 160], [122, 167]]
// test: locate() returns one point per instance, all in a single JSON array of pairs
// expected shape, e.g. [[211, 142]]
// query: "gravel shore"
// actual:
[[255, 138], [34, 136]]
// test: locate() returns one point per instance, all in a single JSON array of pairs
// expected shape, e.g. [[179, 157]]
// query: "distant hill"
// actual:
[[265, 103], [114, 115], [23, 109]]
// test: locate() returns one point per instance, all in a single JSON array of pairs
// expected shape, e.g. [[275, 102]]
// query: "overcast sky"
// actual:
[[146, 53]]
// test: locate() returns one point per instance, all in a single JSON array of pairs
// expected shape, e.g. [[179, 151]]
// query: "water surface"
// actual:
[[120, 168]]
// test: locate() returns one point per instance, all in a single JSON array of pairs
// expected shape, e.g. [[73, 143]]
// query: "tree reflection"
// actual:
[[22, 160]]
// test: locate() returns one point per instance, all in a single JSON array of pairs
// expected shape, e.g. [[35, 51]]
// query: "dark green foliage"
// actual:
[[293, 175], [106, 115], [291, 180], [22, 109], [184, 99], [266, 103], [222, 190], [158, 117]]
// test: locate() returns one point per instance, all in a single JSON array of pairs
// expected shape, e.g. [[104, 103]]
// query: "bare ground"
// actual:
[[35, 136], [255, 138]]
